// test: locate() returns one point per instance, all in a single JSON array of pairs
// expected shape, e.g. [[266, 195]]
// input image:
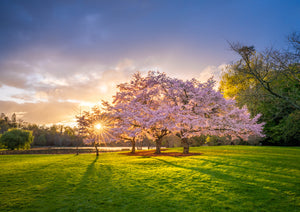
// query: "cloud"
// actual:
[[48, 95], [212, 71], [42, 112], [63, 78], [47, 83]]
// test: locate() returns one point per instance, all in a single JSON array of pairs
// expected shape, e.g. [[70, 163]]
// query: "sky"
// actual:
[[58, 57]]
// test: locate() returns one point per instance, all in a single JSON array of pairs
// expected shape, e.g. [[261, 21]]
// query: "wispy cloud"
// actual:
[[212, 71], [47, 95], [55, 55], [49, 84]]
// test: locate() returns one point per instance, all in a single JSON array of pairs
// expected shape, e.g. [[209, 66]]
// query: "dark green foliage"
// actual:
[[17, 139], [287, 132], [4, 125], [55, 136], [41, 140], [281, 118], [281, 126], [268, 83], [46, 136], [1, 145]]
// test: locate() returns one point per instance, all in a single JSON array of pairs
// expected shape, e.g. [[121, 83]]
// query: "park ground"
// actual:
[[222, 178]]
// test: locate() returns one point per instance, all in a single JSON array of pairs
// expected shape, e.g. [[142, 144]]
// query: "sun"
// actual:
[[98, 126]]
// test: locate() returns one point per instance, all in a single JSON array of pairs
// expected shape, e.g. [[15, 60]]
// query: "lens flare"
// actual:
[[98, 126]]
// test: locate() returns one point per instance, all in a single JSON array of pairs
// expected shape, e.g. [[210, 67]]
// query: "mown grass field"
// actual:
[[224, 178]]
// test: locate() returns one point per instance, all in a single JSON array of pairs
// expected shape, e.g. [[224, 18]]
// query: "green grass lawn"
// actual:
[[224, 178]]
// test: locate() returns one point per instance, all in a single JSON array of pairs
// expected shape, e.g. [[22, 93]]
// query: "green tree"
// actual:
[[4, 125], [1, 145], [17, 139], [41, 140], [268, 83]]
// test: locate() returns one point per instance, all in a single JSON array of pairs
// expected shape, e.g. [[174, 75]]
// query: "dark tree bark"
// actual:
[[97, 150], [186, 145], [148, 143], [158, 145], [133, 146]]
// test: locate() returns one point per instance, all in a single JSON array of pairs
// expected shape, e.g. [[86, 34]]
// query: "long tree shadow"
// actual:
[[60, 185], [89, 172], [246, 167], [89, 192], [36, 168], [213, 173], [222, 176]]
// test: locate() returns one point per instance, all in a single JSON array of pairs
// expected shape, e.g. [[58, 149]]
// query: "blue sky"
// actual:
[[58, 55]]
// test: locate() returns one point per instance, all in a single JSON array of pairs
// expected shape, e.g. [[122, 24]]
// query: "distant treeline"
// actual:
[[55, 135]]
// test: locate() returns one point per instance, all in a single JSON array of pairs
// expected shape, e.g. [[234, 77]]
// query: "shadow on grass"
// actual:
[[91, 193], [36, 168], [248, 183], [57, 161], [242, 164], [92, 176], [90, 171], [214, 173], [234, 178]]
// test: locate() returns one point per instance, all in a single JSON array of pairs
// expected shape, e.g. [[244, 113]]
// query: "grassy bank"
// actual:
[[234, 178]]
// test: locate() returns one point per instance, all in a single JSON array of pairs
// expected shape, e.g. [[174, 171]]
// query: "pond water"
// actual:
[[100, 148]]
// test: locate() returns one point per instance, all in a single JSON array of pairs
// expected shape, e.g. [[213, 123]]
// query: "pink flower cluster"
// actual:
[[157, 105]]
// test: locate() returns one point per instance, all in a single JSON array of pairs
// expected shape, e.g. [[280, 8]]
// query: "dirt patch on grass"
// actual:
[[151, 153]]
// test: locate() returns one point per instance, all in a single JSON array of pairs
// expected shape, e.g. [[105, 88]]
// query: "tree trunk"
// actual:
[[133, 146], [141, 144], [186, 145], [97, 151], [158, 146]]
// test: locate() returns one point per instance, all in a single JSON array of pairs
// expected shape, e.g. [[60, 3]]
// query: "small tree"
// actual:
[[95, 127], [17, 139], [1, 145]]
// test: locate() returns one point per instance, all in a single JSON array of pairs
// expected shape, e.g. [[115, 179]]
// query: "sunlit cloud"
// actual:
[[10, 93], [41, 112], [82, 85], [212, 71], [57, 58]]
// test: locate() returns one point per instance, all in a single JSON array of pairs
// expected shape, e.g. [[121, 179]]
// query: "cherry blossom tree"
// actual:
[[127, 125], [203, 111], [159, 105], [140, 108]]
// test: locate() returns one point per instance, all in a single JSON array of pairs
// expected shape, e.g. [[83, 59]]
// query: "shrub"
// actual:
[[17, 139], [1, 145]]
